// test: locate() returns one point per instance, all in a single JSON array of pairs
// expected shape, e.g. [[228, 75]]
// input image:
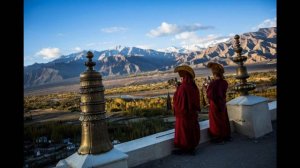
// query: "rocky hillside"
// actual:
[[258, 46]]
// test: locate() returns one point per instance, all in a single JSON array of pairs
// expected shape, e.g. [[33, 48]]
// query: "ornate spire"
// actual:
[[94, 135], [90, 64], [238, 49], [241, 73]]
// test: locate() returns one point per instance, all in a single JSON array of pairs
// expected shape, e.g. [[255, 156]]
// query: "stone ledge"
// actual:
[[140, 150], [111, 159], [155, 146], [247, 100]]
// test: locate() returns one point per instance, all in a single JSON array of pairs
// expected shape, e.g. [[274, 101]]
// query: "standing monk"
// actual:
[[219, 127], [186, 103]]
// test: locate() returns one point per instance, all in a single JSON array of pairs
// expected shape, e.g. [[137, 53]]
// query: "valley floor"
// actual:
[[73, 84]]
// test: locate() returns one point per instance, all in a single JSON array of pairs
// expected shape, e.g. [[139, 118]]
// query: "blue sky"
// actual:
[[58, 27]]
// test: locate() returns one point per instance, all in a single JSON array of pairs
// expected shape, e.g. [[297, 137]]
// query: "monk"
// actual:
[[186, 103], [219, 127]]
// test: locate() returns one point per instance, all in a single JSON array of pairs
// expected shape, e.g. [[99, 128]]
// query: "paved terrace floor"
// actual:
[[241, 152]]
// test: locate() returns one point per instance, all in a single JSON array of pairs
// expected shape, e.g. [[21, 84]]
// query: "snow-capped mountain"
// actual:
[[172, 49], [258, 46], [183, 50], [193, 47]]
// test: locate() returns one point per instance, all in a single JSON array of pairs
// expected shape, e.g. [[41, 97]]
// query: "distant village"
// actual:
[[43, 151]]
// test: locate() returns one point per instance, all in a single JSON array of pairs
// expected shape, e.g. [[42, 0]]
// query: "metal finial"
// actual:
[[94, 137], [238, 49], [236, 36], [90, 64], [241, 73]]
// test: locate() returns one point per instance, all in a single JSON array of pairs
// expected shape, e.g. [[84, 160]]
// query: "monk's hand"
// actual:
[[205, 85], [177, 84]]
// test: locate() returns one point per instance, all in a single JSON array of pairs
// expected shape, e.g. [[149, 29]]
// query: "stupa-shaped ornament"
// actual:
[[243, 87], [94, 134]]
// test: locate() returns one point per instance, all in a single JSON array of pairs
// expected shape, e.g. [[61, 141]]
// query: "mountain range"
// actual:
[[259, 46]]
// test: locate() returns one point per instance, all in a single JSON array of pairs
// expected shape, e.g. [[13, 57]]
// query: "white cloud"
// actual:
[[266, 23], [186, 35], [163, 30], [144, 46], [191, 38], [166, 29], [113, 29], [77, 49], [48, 53]]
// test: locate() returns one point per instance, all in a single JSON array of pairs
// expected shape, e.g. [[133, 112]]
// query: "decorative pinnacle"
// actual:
[[238, 49], [90, 64], [243, 87]]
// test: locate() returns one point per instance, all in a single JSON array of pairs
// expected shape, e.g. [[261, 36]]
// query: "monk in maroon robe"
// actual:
[[219, 127], [186, 103]]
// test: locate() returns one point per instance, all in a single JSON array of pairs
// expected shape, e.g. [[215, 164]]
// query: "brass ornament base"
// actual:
[[92, 141]]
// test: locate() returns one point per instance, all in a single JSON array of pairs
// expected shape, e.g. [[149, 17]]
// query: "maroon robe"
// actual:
[[186, 105], [219, 127]]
